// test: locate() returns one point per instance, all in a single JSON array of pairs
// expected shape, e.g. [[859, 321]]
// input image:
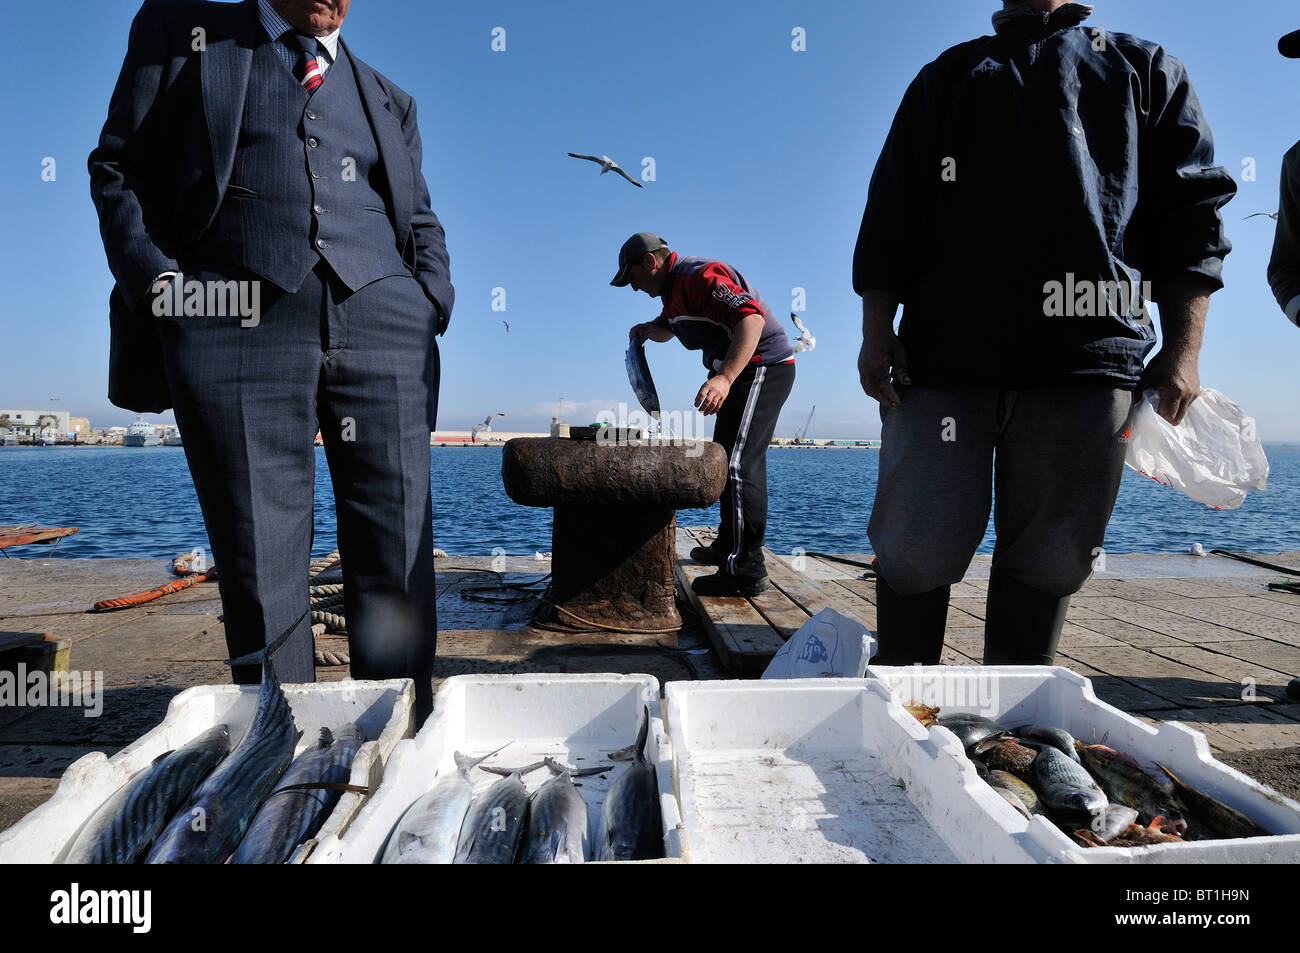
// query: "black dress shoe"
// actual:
[[724, 584], [707, 554]]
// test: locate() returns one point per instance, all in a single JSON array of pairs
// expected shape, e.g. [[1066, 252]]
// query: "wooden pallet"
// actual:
[[747, 631]]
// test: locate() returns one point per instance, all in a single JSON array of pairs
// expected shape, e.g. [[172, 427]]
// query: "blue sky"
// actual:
[[762, 159]]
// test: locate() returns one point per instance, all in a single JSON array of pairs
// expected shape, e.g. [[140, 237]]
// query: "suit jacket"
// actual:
[[164, 160]]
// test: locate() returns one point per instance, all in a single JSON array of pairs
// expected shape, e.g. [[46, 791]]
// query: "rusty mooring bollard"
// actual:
[[613, 540]]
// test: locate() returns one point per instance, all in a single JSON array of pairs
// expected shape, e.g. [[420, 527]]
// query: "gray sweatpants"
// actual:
[[1052, 458]]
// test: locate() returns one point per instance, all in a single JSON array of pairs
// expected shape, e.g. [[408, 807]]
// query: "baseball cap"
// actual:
[[1289, 45], [633, 250]]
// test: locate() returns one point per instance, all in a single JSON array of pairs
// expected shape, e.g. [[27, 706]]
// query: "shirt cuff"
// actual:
[[1292, 310]]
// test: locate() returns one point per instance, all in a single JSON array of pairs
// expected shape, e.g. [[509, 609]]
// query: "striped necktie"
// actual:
[[307, 69]]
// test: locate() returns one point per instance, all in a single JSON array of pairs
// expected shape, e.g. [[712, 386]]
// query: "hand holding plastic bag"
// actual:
[[1214, 455]]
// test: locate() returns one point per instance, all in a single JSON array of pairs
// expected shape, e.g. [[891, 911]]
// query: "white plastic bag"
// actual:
[[1214, 455], [827, 645]]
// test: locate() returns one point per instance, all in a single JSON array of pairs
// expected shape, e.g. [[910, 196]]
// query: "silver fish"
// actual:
[[1003, 781], [124, 825], [1068, 789], [557, 824], [428, 830], [290, 817], [970, 729], [494, 824], [630, 820], [1058, 738], [211, 826], [638, 374]]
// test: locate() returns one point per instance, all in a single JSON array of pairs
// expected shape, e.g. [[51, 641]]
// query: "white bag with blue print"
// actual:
[[829, 645]]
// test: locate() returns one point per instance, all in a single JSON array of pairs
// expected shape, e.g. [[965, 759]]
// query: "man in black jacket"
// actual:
[[1037, 189], [1284, 265]]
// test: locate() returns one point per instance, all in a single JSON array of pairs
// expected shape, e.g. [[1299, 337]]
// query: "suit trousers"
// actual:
[[746, 422], [249, 395]]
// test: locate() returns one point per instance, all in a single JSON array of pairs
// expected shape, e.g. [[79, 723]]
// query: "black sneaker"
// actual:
[[725, 584], [707, 555]]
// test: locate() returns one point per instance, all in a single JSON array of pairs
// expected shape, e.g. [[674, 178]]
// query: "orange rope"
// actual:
[[139, 598]]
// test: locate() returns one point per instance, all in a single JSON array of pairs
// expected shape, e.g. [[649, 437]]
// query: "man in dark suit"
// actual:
[[278, 267]]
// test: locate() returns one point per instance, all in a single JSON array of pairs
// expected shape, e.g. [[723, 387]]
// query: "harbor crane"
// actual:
[[801, 436]]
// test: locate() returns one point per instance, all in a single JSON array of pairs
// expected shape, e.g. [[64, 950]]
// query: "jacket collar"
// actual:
[[1018, 18]]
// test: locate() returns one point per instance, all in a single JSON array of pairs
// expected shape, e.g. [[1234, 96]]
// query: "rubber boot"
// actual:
[[1022, 625], [909, 629]]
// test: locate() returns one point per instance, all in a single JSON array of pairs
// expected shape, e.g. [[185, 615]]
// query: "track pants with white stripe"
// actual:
[[746, 422]]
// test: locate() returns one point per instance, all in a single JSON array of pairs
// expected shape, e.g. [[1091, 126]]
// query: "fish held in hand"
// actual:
[[124, 826], [638, 375], [630, 822]]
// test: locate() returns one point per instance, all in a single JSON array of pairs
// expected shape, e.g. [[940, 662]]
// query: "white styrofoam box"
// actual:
[[826, 770], [1060, 698], [381, 709], [578, 719]]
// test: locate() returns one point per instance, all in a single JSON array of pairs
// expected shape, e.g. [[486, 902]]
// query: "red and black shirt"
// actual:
[[704, 300]]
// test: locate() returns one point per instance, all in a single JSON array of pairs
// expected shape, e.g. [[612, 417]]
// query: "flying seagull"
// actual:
[[1272, 215], [507, 324], [488, 421], [805, 341], [607, 165]]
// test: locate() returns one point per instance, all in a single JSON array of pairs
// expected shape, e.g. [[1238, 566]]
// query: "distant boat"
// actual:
[[171, 438], [46, 440], [140, 434]]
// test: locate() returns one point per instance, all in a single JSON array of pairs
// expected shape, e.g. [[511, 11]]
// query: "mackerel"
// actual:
[[209, 829], [638, 374], [429, 830], [494, 824], [557, 824], [630, 816], [124, 825], [290, 817]]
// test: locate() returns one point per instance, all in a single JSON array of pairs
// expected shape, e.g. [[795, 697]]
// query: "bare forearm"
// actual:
[[658, 330], [1182, 317]]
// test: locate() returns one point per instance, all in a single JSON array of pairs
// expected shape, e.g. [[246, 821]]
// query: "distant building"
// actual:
[[79, 425], [36, 421]]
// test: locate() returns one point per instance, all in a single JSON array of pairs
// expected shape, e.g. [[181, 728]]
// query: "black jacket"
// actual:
[[1048, 157], [1284, 265]]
